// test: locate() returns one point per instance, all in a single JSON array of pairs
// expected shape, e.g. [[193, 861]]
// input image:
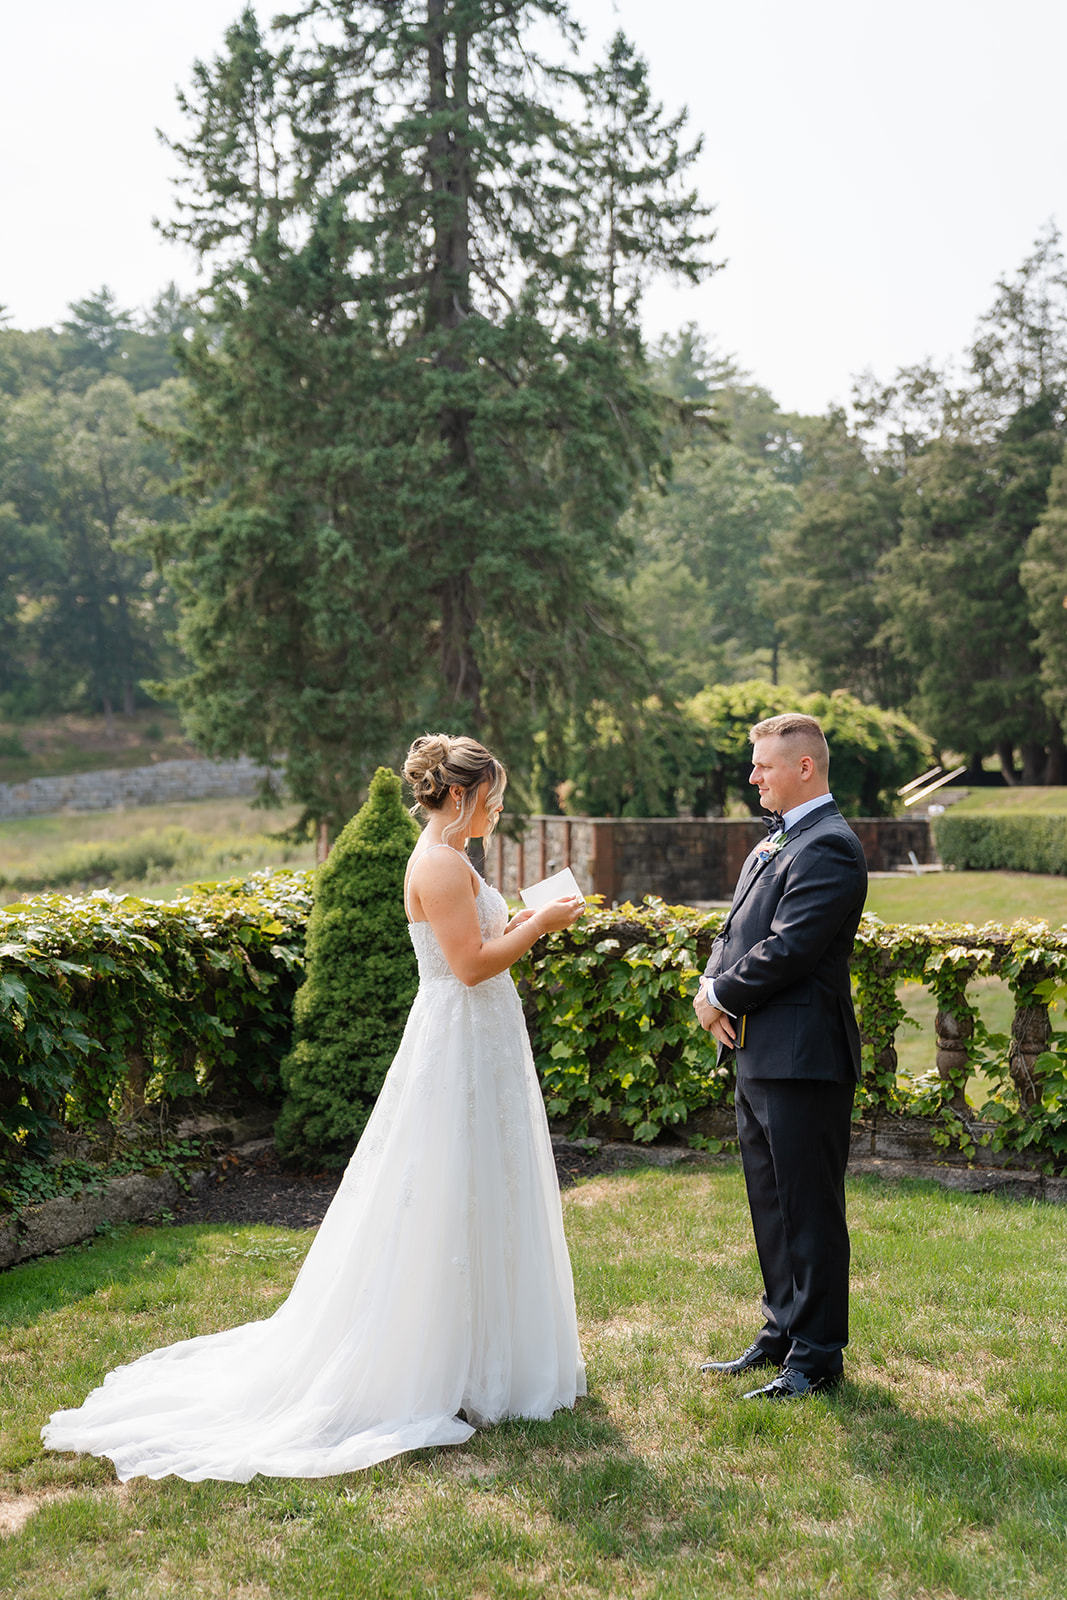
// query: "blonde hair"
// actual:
[[439, 762], [804, 733]]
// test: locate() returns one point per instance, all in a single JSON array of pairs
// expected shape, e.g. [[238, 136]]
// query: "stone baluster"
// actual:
[[954, 1029], [878, 1015], [1030, 1030]]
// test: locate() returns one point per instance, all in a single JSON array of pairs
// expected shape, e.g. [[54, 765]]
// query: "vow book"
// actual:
[[553, 888]]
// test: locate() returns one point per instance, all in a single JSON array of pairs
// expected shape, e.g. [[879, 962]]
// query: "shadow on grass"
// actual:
[[138, 1255], [973, 1469]]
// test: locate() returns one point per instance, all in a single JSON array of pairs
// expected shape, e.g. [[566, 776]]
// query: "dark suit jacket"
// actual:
[[781, 960]]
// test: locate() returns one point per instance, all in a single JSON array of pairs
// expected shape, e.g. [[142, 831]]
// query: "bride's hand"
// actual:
[[557, 914], [517, 920]]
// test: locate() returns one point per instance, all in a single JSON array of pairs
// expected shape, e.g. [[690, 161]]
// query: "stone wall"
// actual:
[[682, 859], [113, 787]]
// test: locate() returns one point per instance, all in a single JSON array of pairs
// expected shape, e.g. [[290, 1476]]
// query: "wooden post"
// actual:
[[542, 852], [322, 843], [604, 860]]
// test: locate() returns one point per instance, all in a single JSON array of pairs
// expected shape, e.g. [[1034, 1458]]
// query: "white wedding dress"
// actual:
[[439, 1281]]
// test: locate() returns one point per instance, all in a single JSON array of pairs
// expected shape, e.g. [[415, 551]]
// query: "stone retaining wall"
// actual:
[[682, 859], [115, 787]]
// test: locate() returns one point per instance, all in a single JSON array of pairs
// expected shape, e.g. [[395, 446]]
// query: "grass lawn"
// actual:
[[938, 1470], [969, 897], [145, 849], [1021, 799]]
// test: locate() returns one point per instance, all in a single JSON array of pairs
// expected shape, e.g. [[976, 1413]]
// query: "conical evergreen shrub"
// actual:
[[361, 978]]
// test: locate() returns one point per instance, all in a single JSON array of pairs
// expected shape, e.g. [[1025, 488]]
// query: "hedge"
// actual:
[[112, 1008], [109, 1004], [995, 842], [609, 1003]]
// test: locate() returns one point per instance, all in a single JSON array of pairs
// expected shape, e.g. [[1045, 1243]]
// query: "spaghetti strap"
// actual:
[[429, 847]]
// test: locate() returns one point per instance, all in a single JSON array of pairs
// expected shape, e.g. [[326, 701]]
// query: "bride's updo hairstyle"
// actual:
[[438, 762]]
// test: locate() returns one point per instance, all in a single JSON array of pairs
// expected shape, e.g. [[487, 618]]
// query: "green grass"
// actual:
[[938, 1470], [1022, 799], [153, 849], [969, 897]]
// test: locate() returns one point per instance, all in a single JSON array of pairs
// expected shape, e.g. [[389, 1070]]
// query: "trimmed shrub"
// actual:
[[872, 752], [361, 979], [992, 842]]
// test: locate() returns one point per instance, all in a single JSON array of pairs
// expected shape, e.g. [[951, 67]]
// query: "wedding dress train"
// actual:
[[439, 1281]]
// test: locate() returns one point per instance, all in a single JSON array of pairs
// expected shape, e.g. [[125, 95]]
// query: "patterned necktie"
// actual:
[[773, 821]]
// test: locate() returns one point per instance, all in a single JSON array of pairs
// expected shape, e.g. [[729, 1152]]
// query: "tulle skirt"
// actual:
[[438, 1283]]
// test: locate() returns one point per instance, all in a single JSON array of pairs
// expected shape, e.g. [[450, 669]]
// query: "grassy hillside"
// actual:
[[1022, 799], [147, 849], [52, 747]]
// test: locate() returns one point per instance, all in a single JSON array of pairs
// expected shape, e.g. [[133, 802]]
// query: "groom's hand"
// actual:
[[714, 1021]]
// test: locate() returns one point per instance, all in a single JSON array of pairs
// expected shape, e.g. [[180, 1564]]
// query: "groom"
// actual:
[[776, 991]]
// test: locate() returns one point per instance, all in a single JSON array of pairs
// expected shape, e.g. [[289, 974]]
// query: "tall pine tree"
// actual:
[[1044, 577], [419, 415]]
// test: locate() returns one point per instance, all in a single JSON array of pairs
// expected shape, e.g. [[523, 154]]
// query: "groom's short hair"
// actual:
[[804, 733]]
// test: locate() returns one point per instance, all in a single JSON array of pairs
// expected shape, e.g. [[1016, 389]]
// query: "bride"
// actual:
[[437, 1294]]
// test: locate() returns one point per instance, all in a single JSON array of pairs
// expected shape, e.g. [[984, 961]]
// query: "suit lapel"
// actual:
[[755, 866]]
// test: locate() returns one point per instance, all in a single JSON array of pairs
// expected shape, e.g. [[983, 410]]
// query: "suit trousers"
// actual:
[[794, 1135]]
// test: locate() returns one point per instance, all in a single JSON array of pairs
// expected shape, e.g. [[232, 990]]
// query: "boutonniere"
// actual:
[[771, 848]]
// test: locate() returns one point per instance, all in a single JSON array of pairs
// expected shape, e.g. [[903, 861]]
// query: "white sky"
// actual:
[[875, 165]]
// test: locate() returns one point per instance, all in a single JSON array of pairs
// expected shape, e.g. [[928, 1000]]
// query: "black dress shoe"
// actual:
[[754, 1356], [793, 1385]]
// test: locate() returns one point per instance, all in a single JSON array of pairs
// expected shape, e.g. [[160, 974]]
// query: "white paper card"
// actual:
[[553, 888]]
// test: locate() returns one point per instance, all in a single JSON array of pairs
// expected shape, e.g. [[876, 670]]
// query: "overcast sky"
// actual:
[[875, 166]]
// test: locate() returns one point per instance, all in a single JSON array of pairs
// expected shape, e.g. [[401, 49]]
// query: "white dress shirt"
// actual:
[[789, 819]]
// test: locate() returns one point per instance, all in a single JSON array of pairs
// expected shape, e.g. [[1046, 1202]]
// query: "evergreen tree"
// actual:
[[94, 332], [696, 593], [823, 571], [970, 496], [953, 585], [80, 484], [420, 417], [361, 979], [1044, 577], [696, 590]]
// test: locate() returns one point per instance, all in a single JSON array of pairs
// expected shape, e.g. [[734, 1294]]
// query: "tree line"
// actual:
[[410, 461], [912, 550], [86, 470]]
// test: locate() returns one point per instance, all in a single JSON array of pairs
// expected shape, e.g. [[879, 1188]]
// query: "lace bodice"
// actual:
[[492, 911]]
